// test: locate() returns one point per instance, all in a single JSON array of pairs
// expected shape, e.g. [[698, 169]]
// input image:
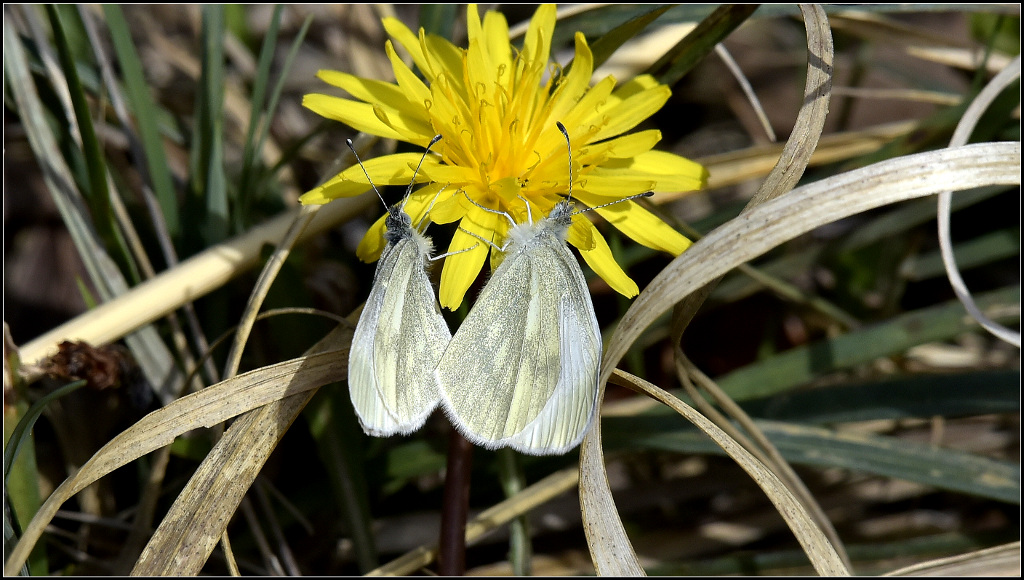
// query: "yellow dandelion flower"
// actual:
[[496, 109]]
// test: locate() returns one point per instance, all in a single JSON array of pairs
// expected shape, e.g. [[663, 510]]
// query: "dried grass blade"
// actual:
[[692, 48], [755, 232], [610, 548], [750, 235], [142, 104], [996, 561], [757, 444], [800, 146], [811, 119], [195, 523], [487, 520], [960, 137], [753, 162], [152, 354], [191, 279], [820, 551], [201, 512], [205, 408], [262, 286]]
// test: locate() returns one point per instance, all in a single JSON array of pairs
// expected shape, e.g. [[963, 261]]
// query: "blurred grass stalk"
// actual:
[[188, 281], [88, 200]]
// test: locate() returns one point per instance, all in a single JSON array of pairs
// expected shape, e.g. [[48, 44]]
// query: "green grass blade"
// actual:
[[408, 461], [150, 352], [599, 21], [682, 57], [141, 103], [513, 481], [22, 430], [259, 91], [255, 189], [209, 197], [899, 397], [97, 195], [340, 446], [275, 96], [790, 265], [607, 44], [605, 18], [979, 251], [808, 445], [802, 364], [439, 19], [21, 487]]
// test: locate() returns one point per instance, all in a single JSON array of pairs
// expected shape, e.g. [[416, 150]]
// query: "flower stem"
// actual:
[[451, 559]]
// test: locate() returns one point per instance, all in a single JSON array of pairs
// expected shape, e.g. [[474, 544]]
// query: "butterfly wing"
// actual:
[[521, 371], [572, 405], [397, 342]]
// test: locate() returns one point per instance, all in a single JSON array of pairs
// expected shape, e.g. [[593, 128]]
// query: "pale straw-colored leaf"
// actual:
[[262, 286], [811, 119], [493, 517], [755, 162], [196, 521], [748, 236], [1001, 560], [609, 547], [186, 537], [758, 443], [748, 91], [815, 544], [753, 233], [190, 280], [910, 95], [962, 58], [215, 404], [800, 146], [925, 43], [960, 136]]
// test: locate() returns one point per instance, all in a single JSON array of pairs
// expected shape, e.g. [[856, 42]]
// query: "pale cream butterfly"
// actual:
[[522, 369], [400, 334]]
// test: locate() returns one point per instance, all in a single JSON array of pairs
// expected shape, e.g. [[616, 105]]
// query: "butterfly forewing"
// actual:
[[398, 340]]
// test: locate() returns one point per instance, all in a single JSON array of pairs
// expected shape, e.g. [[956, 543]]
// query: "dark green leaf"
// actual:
[[439, 19], [606, 45], [800, 365], [141, 103], [807, 445]]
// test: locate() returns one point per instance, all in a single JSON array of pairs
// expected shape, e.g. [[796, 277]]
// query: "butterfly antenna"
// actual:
[[412, 181], [644, 194], [360, 162], [568, 146], [431, 206]]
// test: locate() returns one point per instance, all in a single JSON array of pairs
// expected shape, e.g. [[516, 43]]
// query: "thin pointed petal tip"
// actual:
[[496, 109]]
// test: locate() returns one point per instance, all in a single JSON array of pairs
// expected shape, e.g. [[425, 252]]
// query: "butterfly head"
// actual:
[[562, 212], [397, 224]]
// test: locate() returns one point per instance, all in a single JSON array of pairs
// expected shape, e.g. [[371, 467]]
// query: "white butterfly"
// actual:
[[522, 369], [400, 334]]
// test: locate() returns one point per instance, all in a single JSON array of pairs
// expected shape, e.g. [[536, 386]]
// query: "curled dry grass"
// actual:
[[266, 401]]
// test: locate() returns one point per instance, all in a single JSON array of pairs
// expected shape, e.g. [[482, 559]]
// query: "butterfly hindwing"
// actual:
[[571, 406]]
